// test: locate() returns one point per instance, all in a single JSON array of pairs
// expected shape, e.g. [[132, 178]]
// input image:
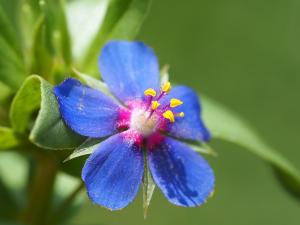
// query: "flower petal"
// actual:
[[113, 173], [191, 125], [184, 177], [85, 110], [129, 68]]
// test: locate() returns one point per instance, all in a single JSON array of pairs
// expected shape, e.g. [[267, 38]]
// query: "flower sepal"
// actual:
[[148, 186]]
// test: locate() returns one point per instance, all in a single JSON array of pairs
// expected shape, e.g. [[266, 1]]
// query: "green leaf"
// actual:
[[86, 148], [204, 148], [43, 59], [228, 126], [8, 33], [12, 70], [8, 138], [148, 186], [57, 31], [51, 45], [11, 9], [95, 83], [12, 67], [122, 20], [92, 82], [33, 29], [25, 103], [29, 16], [34, 6], [48, 131]]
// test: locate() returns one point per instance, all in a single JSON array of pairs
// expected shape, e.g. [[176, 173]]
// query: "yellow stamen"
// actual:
[[169, 115], [181, 114], [175, 102], [150, 92], [154, 105], [166, 87]]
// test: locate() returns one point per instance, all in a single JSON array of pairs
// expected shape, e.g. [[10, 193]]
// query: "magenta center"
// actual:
[[149, 117]]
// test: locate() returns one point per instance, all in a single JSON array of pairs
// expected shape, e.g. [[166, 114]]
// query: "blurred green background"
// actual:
[[245, 54]]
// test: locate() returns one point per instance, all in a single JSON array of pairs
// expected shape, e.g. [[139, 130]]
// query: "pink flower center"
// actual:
[[148, 116]]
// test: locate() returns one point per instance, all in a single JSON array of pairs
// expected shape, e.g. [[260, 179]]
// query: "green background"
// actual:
[[245, 54]]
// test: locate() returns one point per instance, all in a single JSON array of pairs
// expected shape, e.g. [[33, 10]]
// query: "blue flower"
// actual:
[[148, 117]]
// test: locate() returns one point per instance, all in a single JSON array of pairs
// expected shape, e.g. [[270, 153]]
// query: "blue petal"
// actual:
[[184, 177], [191, 125], [129, 68], [113, 173], [85, 110]]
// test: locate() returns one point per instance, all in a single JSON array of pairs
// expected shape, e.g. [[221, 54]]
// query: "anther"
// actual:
[[169, 115], [166, 87], [150, 92], [181, 114], [154, 105], [174, 102]]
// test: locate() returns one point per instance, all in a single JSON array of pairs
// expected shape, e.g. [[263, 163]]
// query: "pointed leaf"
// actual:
[[43, 59], [11, 58], [26, 101], [11, 9], [12, 68], [51, 44], [57, 30], [204, 148], [228, 126], [27, 17], [48, 131], [93, 82], [8, 32], [148, 187], [86, 148]]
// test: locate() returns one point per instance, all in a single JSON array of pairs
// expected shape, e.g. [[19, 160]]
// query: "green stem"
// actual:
[[41, 190]]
